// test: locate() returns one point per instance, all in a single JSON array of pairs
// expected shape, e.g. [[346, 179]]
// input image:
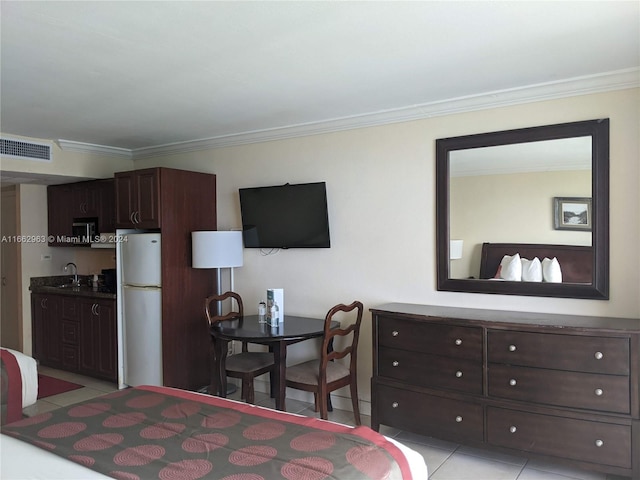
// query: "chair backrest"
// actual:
[[334, 353], [218, 299]]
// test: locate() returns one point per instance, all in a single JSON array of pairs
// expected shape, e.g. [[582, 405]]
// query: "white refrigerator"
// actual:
[[140, 298]]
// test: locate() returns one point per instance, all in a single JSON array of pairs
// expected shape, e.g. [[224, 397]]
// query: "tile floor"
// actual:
[[445, 460]]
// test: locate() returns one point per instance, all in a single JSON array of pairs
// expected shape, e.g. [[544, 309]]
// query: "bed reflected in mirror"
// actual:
[[540, 192]]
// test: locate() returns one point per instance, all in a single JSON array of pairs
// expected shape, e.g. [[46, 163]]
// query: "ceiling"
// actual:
[[137, 76]]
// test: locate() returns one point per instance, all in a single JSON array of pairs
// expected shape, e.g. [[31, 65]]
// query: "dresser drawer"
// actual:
[[592, 391], [560, 352], [428, 414], [594, 442], [448, 340], [432, 371]]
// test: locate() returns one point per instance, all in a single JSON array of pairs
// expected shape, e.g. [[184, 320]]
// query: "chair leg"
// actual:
[[247, 387], [315, 402], [322, 398], [354, 401]]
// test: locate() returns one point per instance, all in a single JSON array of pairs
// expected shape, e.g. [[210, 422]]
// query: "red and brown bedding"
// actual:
[[11, 390], [155, 432]]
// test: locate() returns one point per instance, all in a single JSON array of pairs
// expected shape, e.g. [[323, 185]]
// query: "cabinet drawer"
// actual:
[[70, 332], [428, 414], [448, 340], [70, 357], [554, 387], [560, 352], [594, 442], [69, 308], [434, 371]]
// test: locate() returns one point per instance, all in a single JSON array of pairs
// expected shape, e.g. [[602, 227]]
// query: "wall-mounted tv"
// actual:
[[285, 216]]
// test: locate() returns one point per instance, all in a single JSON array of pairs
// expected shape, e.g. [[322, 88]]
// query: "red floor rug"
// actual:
[[48, 386]]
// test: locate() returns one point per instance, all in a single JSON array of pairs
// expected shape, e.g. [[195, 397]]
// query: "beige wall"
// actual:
[[381, 194], [514, 208]]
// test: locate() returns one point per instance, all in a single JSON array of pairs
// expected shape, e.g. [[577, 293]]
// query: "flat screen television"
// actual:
[[285, 216]]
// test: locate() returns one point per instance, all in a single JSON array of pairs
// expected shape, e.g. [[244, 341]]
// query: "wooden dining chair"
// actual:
[[325, 375], [245, 365]]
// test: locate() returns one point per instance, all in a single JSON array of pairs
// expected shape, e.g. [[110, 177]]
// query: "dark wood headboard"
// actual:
[[576, 261]]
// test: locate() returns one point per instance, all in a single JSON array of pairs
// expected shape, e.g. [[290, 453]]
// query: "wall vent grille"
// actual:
[[25, 150]]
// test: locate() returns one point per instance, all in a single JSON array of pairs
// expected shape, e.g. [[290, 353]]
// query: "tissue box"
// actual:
[[275, 295]]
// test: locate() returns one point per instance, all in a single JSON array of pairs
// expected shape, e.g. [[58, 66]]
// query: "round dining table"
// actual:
[[254, 329]]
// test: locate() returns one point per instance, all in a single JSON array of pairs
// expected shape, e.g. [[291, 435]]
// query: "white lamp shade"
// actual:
[[455, 249], [216, 249]]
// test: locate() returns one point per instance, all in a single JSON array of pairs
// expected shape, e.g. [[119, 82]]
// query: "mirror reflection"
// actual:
[[505, 194], [539, 195]]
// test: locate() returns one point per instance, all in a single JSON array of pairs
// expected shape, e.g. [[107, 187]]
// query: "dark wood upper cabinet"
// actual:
[[59, 216], [93, 199], [138, 199]]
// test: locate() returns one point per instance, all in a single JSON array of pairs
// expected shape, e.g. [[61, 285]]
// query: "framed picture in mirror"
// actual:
[[572, 213]]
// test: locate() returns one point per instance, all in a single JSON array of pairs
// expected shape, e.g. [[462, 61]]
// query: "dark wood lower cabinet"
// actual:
[[555, 387], [98, 355], [76, 334]]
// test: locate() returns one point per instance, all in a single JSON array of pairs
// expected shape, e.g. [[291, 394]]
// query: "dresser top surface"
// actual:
[[629, 325]]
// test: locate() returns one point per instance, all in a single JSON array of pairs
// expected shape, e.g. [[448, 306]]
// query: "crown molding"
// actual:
[[585, 85], [71, 146]]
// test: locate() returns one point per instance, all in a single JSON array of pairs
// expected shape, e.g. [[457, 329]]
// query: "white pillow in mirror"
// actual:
[[531, 270], [551, 270], [511, 268]]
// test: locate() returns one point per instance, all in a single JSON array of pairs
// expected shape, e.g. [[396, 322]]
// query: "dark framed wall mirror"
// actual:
[[539, 192]]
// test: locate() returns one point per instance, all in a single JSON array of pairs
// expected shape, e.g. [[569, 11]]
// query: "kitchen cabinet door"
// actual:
[[106, 206], [59, 216], [98, 341], [138, 199], [47, 329]]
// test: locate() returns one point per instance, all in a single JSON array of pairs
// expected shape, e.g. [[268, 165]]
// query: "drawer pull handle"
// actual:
[[395, 363], [394, 405], [512, 348], [394, 333], [599, 392], [458, 419], [598, 355], [459, 374], [513, 429], [513, 382], [599, 443], [458, 341]]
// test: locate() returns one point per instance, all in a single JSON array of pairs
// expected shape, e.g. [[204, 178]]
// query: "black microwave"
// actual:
[[84, 230]]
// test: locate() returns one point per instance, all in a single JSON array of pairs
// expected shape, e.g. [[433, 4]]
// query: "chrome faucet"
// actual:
[[75, 282]]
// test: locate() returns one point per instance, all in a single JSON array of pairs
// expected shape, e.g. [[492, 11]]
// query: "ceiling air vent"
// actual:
[[25, 150]]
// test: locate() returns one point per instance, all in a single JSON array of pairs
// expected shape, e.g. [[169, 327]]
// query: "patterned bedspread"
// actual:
[[11, 389], [155, 432]]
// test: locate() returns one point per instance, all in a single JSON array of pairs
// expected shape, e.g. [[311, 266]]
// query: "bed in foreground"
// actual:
[[159, 432], [19, 383]]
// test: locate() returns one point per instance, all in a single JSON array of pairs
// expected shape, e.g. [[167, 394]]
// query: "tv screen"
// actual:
[[285, 216]]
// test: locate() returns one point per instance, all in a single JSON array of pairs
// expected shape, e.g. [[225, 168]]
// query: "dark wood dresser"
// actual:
[[554, 387]]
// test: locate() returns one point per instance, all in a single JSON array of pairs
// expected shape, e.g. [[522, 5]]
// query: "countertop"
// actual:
[[54, 285]]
